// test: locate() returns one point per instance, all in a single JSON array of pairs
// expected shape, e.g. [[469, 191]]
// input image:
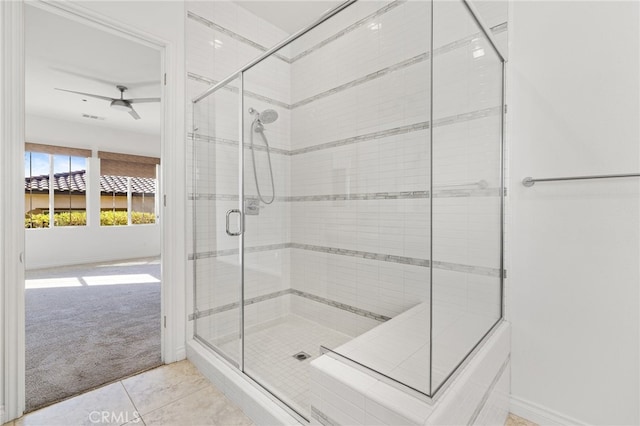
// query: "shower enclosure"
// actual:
[[347, 198]]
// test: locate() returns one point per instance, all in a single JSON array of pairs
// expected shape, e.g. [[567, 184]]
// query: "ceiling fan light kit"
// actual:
[[119, 104]]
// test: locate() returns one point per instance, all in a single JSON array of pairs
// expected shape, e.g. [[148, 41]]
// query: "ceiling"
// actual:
[[289, 16], [62, 53]]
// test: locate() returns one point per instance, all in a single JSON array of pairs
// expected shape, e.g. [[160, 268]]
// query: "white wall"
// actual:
[[574, 278], [52, 131], [75, 245]]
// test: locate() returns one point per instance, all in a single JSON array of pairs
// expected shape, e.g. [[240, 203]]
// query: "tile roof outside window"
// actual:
[[76, 181]]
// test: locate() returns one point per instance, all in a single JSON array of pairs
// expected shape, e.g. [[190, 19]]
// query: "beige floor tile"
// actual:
[[110, 401], [514, 420], [161, 386], [8, 423], [208, 406]]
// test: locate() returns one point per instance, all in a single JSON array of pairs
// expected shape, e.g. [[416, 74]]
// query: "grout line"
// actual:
[[130, 398]]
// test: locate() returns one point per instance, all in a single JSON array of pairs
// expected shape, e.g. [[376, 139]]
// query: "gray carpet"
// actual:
[[81, 337]]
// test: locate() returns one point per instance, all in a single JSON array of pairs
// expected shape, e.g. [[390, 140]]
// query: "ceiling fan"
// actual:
[[120, 104]]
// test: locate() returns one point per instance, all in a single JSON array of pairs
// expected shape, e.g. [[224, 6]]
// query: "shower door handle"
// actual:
[[240, 228]]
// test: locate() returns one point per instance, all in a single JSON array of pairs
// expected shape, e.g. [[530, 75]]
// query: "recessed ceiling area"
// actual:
[[289, 16], [62, 53]]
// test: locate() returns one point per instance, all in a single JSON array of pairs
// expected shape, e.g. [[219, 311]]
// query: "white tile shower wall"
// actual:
[[365, 82], [349, 162], [331, 317], [385, 288]]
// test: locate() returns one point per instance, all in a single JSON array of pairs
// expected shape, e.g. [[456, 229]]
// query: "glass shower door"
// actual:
[[217, 240], [269, 334]]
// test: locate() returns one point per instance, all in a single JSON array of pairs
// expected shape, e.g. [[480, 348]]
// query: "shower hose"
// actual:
[[253, 158]]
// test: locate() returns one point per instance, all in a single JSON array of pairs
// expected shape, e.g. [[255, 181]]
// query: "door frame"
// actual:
[[172, 189]]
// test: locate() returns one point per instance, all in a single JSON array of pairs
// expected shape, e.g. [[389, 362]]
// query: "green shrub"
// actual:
[[140, 217], [111, 218], [79, 218], [36, 221]]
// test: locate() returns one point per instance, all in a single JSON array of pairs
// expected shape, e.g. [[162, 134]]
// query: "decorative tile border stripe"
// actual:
[[343, 306], [400, 65], [488, 392], [361, 80], [466, 41], [409, 128], [424, 125], [202, 196], [231, 142], [210, 82], [371, 76], [402, 195], [500, 28], [229, 252], [469, 269], [363, 254], [478, 192], [322, 418], [232, 34], [467, 116], [328, 197], [273, 295], [350, 28], [425, 263], [235, 305], [361, 196]]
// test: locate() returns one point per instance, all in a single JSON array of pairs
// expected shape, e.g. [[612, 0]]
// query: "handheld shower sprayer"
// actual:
[[267, 116]]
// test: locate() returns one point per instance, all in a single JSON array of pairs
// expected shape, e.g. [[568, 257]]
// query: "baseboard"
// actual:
[[181, 353], [87, 261], [539, 414]]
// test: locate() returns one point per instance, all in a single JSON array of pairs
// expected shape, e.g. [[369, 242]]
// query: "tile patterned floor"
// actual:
[[175, 394], [269, 351]]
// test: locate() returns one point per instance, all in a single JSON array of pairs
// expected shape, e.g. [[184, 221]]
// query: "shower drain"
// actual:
[[301, 356]]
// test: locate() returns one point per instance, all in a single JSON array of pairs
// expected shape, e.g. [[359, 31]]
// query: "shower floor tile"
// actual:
[[270, 350]]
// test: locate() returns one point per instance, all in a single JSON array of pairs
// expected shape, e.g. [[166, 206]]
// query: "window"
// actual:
[[55, 186], [128, 187]]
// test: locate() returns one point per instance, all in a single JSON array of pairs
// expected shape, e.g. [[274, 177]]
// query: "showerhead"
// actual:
[[265, 117], [268, 116]]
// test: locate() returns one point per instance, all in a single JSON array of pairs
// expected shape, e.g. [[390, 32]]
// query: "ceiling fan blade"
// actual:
[[87, 94], [134, 114], [142, 100]]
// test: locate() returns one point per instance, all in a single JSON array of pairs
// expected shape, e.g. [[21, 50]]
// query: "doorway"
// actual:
[[93, 122]]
